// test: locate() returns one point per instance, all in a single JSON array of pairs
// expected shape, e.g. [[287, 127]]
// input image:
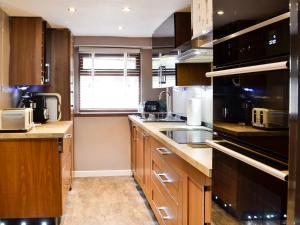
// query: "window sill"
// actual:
[[103, 114]]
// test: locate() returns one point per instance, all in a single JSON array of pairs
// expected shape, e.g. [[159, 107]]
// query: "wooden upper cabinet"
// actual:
[[27, 56], [191, 74], [59, 42], [202, 17]]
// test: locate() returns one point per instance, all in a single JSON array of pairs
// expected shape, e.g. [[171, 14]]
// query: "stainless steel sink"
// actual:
[[160, 117]]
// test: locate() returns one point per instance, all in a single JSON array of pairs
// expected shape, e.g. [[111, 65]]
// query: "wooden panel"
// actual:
[[60, 68], [183, 28], [195, 203], [30, 170], [133, 148], [26, 56], [139, 157], [188, 74], [66, 165], [147, 172]]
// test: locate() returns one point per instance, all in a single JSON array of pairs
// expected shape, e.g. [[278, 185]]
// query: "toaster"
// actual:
[[16, 119], [269, 118]]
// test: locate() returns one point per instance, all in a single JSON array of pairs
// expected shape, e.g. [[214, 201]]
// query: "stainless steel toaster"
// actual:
[[16, 119], [269, 118]]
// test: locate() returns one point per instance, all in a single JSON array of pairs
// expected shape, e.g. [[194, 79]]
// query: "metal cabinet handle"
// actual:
[[163, 178], [250, 69], [163, 209], [163, 151], [282, 175], [47, 79]]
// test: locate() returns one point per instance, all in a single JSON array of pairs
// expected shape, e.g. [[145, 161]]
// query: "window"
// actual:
[[109, 82]]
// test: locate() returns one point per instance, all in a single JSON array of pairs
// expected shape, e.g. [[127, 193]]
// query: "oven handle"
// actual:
[[282, 175], [250, 69]]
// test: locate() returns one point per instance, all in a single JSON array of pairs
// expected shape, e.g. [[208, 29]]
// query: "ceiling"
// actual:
[[99, 17]]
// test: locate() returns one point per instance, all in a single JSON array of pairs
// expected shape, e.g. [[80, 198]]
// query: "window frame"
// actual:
[[102, 110]]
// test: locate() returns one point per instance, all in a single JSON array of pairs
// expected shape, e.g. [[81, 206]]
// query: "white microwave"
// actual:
[[16, 119]]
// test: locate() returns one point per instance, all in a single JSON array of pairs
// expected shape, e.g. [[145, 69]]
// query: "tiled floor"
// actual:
[[107, 201]]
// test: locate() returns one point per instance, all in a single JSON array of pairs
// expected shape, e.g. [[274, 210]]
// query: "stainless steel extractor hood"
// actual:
[[198, 50]]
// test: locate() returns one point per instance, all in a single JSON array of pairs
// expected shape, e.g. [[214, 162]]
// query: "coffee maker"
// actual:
[[38, 104]]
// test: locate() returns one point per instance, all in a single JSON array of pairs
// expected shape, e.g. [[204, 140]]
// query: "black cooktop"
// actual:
[[191, 137]]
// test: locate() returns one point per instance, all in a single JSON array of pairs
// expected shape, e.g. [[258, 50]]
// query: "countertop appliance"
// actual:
[[269, 118], [16, 119], [152, 106], [194, 137], [38, 104], [53, 103], [251, 57]]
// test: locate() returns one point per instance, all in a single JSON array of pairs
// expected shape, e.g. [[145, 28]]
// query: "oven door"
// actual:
[[248, 188]]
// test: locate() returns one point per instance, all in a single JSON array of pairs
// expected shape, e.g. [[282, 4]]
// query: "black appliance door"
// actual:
[[250, 192], [248, 33]]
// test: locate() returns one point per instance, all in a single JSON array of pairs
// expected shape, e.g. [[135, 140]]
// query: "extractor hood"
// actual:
[[198, 50]]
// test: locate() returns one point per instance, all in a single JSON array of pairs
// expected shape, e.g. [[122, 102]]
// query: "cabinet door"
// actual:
[[30, 184], [27, 51], [197, 200], [140, 160], [201, 17]]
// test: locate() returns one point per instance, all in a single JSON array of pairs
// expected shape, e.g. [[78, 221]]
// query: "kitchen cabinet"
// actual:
[[60, 42], [38, 176], [202, 14], [192, 74], [177, 192], [29, 53]]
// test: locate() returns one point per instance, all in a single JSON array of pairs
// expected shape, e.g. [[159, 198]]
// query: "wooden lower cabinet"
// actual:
[[36, 175], [177, 192]]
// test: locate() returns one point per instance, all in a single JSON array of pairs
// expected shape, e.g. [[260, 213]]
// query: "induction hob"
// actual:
[[195, 138]]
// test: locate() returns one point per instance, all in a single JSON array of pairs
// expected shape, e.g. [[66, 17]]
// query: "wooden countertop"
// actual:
[[200, 158], [48, 130]]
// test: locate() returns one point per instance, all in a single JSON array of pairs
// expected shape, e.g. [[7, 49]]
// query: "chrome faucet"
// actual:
[[168, 101]]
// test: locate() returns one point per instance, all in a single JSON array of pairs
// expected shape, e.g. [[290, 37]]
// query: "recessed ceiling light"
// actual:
[[72, 9], [126, 9], [120, 27], [220, 12]]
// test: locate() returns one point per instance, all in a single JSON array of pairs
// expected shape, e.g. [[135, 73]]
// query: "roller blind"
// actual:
[[109, 82]]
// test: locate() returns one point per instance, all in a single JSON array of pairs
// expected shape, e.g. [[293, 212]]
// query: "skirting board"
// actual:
[[102, 173]]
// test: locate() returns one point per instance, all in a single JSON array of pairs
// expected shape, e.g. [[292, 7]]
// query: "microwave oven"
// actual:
[[16, 119]]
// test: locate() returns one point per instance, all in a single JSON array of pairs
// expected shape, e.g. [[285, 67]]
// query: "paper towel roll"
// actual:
[[194, 112]]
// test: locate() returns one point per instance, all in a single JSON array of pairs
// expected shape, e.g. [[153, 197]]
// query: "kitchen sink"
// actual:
[[160, 117]]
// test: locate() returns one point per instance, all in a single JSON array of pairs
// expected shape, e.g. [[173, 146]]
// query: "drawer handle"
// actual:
[[164, 211], [163, 178], [163, 151]]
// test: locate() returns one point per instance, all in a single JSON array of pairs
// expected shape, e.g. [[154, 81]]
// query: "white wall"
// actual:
[[182, 94], [102, 145]]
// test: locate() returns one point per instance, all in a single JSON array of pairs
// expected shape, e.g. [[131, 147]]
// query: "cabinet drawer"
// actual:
[[164, 176], [165, 209]]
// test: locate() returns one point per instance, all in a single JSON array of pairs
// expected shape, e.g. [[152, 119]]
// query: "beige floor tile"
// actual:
[[106, 201]]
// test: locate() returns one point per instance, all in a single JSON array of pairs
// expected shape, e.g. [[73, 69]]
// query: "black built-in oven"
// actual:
[[250, 163]]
